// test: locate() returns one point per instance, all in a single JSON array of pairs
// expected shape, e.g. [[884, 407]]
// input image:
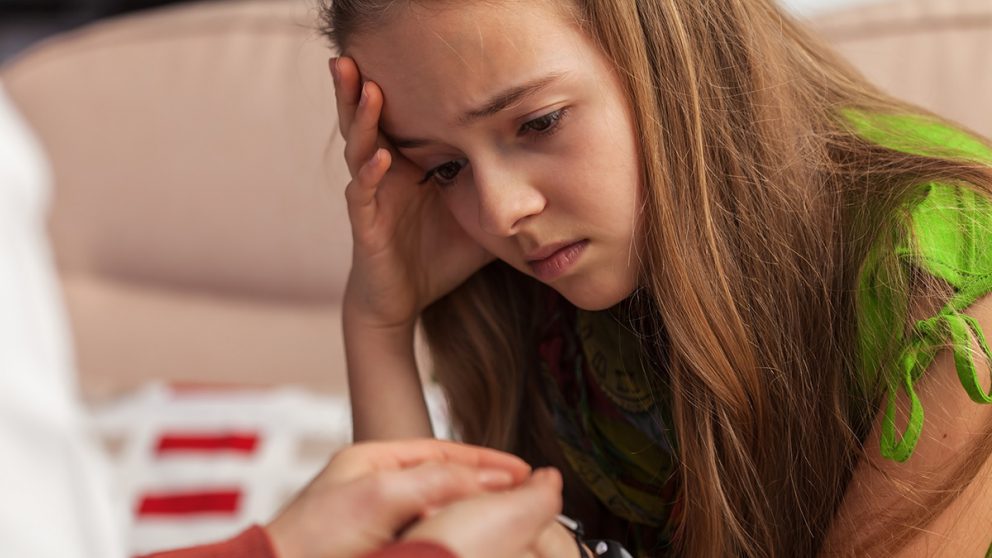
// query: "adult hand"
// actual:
[[408, 249], [369, 492]]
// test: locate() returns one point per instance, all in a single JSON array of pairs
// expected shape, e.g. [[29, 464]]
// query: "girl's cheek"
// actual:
[[462, 206], [459, 210]]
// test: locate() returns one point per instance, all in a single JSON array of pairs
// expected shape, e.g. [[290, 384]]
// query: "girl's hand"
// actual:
[[517, 522], [369, 492], [556, 542], [408, 249], [365, 458]]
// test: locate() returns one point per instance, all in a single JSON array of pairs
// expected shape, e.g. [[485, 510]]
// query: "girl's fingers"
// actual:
[[397, 497], [346, 93], [359, 108], [366, 457], [464, 454], [363, 136], [497, 524], [361, 191]]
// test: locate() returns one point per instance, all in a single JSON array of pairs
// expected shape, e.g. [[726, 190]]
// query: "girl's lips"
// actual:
[[555, 265]]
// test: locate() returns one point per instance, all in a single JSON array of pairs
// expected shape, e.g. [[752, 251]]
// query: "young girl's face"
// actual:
[[521, 122]]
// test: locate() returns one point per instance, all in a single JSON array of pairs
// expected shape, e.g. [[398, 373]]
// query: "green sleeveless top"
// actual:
[[951, 240], [617, 437]]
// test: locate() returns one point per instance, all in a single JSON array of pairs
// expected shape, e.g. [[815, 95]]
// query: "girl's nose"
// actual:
[[507, 197]]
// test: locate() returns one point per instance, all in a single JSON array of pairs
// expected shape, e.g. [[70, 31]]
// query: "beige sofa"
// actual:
[[198, 221]]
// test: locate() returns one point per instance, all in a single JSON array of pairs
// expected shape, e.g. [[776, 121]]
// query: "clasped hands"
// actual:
[[476, 502]]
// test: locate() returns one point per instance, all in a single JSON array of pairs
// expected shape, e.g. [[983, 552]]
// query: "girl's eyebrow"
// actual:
[[496, 104], [505, 99]]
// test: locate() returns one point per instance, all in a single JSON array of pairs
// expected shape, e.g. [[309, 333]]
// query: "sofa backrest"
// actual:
[[935, 53]]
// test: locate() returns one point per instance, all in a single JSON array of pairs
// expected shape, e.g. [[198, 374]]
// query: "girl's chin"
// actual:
[[595, 299]]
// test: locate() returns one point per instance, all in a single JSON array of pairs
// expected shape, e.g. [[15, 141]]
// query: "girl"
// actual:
[[681, 251]]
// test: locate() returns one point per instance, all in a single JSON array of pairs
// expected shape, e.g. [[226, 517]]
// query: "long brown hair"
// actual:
[[761, 205]]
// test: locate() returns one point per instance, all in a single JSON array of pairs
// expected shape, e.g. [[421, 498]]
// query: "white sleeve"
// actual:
[[54, 494]]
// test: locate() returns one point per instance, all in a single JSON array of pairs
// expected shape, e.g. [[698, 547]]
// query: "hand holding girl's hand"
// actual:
[[408, 249], [369, 492]]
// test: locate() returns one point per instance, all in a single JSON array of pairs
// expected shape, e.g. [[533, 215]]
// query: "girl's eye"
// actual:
[[444, 175], [546, 124]]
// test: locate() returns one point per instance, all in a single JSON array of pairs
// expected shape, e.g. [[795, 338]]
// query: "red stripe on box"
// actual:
[[207, 443], [190, 503]]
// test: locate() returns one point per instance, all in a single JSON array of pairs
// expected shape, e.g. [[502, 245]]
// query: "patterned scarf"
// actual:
[[612, 430]]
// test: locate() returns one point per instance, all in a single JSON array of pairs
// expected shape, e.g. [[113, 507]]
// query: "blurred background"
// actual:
[[23, 22], [170, 182]]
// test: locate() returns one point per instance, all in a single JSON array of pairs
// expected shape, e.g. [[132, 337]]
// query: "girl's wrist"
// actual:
[[357, 318]]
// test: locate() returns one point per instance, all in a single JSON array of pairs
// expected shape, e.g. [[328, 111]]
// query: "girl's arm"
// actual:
[[408, 252], [882, 490], [380, 303], [387, 398]]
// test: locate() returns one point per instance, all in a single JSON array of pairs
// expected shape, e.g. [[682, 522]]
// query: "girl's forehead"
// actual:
[[450, 59], [465, 38]]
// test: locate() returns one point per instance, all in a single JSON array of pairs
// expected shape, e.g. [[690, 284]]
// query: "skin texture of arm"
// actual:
[[384, 384], [952, 427]]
